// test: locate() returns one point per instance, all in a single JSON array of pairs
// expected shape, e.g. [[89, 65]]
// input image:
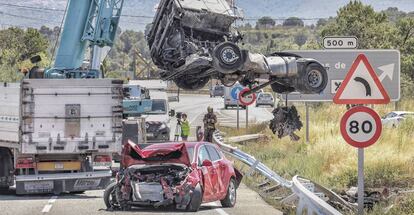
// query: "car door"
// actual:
[[209, 175], [221, 169]]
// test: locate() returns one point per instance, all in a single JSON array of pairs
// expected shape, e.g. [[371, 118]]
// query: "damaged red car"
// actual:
[[182, 175]]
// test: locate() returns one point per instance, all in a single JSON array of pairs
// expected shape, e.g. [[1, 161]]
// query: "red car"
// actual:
[[180, 174]]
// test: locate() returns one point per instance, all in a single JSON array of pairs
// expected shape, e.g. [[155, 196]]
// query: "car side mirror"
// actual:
[[172, 113], [207, 163]]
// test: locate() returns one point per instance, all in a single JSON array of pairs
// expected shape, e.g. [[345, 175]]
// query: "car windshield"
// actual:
[[158, 107], [219, 88], [266, 96]]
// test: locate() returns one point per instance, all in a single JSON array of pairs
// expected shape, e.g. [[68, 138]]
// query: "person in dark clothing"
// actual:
[[209, 120]]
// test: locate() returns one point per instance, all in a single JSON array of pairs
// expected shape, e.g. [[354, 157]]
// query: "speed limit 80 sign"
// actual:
[[361, 127]]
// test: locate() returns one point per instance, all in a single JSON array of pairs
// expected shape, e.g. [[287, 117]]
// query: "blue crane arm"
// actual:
[[87, 23]]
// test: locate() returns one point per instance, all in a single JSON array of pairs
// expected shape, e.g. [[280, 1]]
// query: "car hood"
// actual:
[[155, 154], [156, 118]]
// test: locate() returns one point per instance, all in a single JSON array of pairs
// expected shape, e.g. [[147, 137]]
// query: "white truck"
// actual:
[[157, 120], [59, 135]]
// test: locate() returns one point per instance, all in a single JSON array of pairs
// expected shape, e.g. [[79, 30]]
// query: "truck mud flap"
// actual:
[[60, 183]]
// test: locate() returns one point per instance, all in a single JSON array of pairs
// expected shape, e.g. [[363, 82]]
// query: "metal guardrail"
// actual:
[[310, 198]]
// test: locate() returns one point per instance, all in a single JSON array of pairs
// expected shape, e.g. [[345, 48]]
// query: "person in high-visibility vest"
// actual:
[[185, 127]]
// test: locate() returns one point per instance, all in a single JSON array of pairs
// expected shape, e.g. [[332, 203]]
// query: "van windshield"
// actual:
[[158, 107]]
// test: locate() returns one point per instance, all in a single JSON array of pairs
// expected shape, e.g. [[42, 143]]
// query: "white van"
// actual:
[[228, 99], [158, 119]]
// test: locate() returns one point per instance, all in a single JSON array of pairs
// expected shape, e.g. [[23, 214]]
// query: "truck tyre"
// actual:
[[312, 79], [227, 58], [6, 167], [196, 199], [230, 200]]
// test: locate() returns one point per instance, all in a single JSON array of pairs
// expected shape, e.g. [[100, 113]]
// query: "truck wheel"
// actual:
[[196, 199], [227, 58], [313, 79], [6, 167], [230, 200]]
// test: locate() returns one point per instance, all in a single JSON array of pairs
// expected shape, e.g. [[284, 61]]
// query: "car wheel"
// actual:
[[110, 197], [196, 199], [230, 200]]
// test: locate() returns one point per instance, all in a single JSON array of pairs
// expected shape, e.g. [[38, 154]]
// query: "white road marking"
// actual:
[[49, 205], [52, 200], [218, 210]]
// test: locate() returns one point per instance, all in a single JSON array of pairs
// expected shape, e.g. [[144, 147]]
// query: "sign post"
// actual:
[[247, 119], [360, 181], [235, 94], [246, 101], [361, 126], [307, 122]]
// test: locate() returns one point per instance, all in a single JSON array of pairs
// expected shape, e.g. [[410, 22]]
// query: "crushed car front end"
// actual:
[[159, 175]]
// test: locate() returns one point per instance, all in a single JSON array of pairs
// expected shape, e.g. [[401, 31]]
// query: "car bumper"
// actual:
[[264, 103]]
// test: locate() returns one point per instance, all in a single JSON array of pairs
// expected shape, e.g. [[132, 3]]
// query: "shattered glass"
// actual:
[[285, 122]]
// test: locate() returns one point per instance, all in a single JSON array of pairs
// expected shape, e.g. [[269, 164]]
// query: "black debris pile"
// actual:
[[285, 122]]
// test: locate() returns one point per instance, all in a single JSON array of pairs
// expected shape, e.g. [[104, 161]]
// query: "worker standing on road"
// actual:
[[209, 120], [185, 127]]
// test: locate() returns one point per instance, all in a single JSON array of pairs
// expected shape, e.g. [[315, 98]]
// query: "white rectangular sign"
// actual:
[[340, 42]]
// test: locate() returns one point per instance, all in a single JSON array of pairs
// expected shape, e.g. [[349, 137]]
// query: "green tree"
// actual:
[[300, 38], [17, 46], [405, 43], [356, 19], [265, 22], [293, 22]]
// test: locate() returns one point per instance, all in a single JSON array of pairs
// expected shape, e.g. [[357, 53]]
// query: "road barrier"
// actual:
[[307, 196]]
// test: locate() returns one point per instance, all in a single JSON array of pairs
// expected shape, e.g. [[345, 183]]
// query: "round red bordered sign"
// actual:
[[247, 100], [361, 127]]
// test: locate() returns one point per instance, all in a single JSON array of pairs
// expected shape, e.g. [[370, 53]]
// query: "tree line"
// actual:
[[388, 29]]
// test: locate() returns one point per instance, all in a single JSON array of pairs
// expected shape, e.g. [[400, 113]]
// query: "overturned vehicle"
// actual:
[[193, 41], [182, 175]]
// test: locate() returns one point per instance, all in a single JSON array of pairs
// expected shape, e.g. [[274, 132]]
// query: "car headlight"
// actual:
[[163, 126]]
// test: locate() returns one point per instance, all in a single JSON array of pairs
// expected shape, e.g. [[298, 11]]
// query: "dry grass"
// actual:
[[328, 160]]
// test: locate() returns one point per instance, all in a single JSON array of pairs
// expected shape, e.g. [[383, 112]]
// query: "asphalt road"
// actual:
[[196, 106], [91, 202]]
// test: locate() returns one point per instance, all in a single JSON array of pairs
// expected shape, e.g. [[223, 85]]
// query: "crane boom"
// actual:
[[88, 23]]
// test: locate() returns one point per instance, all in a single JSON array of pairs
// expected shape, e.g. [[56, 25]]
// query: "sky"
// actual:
[[26, 13]]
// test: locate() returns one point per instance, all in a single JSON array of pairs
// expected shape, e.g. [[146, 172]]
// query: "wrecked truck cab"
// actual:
[[194, 41], [184, 36], [172, 174]]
